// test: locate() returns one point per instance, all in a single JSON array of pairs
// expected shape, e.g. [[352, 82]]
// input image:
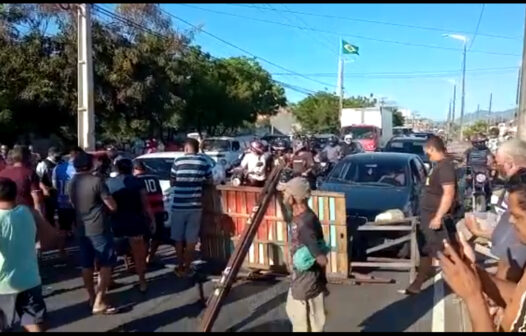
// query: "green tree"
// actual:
[[398, 118], [319, 113], [480, 126]]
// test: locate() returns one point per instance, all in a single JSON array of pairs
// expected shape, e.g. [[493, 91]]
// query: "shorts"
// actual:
[[132, 227], [100, 247], [186, 224], [162, 233], [431, 241], [26, 308], [66, 218]]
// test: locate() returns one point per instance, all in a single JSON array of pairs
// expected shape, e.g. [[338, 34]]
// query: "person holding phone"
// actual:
[[436, 206], [472, 283]]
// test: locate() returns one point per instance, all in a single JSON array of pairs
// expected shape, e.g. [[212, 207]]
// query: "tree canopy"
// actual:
[[319, 113], [148, 78]]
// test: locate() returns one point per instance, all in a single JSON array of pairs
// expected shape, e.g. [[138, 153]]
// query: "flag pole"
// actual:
[[340, 78]]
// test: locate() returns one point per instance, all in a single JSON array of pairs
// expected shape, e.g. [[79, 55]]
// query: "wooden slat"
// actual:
[[384, 228], [389, 265]]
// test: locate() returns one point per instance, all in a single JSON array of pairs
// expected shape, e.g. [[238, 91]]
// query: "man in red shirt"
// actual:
[[29, 193], [27, 182]]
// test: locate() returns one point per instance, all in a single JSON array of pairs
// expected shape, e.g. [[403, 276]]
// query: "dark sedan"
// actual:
[[376, 182]]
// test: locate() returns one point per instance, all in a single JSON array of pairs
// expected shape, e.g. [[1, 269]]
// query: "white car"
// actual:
[[160, 165], [224, 150]]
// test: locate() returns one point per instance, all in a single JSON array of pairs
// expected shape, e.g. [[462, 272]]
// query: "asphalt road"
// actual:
[[173, 304]]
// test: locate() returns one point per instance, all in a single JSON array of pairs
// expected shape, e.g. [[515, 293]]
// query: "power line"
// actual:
[[478, 25], [145, 29], [410, 44], [387, 23], [446, 72], [245, 51]]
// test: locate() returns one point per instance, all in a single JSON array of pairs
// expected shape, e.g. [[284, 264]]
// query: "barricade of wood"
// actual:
[[408, 227], [225, 213]]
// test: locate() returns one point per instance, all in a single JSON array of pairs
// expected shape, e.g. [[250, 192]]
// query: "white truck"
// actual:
[[371, 126]]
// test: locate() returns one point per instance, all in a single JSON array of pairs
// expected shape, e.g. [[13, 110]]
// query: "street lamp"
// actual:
[[464, 41]]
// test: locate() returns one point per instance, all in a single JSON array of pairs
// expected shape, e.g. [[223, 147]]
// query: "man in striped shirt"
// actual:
[[189, 173]]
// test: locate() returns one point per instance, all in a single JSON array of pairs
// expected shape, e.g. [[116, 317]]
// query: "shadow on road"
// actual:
[[164, 284], [264, 308], [271, 326], [156, 321], [402, 314]]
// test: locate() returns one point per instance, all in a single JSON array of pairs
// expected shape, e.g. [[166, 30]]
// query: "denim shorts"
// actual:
[[99, 247], [186, 225], [27, 308]]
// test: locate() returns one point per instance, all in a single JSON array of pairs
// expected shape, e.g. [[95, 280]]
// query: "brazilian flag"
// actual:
[[348, 48]]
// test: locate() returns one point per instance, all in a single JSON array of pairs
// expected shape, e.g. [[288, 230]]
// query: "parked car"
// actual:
[[160, 165], [376, 182], [224, 150], [411, 145]]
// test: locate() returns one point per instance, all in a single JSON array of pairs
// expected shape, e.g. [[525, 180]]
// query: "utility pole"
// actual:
[[489, 108], [86, 115], [462, 100], [521, 129], [448, 125]]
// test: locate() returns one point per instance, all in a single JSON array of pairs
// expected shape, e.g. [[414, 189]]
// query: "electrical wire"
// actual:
[[478, 26], [387, 23]]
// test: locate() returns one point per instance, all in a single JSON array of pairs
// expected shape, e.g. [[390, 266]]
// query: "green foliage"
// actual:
[[319, 113], [398, 118], [145, 83], [480, 126]]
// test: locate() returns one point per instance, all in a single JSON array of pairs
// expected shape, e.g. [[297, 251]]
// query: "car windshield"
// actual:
[[361, 132], [411, 147], [216, 145], [386, 173], [160, 167]]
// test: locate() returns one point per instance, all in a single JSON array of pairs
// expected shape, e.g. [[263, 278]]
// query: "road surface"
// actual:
[[172, 304]]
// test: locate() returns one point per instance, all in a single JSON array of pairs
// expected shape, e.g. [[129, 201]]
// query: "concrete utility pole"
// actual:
[[449, 121], [86, 115], [462, 101], [521, 130], [489, 108]]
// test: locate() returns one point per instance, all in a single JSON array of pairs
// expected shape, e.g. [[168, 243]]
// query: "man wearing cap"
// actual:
[[305, 301]]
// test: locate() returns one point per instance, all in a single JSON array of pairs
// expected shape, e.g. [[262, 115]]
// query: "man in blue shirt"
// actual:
[[21, 300], [189, 173], [61, 177]]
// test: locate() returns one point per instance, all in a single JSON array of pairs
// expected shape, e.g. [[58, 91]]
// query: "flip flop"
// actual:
[[108, 310], [407, 291]]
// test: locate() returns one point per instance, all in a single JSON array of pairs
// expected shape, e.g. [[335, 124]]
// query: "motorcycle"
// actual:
[[322, 169], [240, 177], [479, 189]]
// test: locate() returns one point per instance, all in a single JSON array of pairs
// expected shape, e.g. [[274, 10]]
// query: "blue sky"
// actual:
[[415, 77]]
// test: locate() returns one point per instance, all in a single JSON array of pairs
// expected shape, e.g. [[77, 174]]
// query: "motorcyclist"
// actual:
[[302, 160], [279, 151], [333, 150], [255, 164], [479, 154], [349, 147]]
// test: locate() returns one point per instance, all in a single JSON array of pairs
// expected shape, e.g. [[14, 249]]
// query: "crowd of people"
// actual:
[[42, 203]]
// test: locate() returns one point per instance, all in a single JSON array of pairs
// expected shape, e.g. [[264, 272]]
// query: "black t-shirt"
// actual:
[[129, 219], [442, 172], [307, 231], [86, 193]]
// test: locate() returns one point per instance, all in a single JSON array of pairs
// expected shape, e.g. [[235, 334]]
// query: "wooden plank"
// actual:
[[384, 228], [341, 212], [390, 265], [388, 244]]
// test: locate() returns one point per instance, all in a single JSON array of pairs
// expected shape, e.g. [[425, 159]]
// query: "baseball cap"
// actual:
[[298, 187]]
